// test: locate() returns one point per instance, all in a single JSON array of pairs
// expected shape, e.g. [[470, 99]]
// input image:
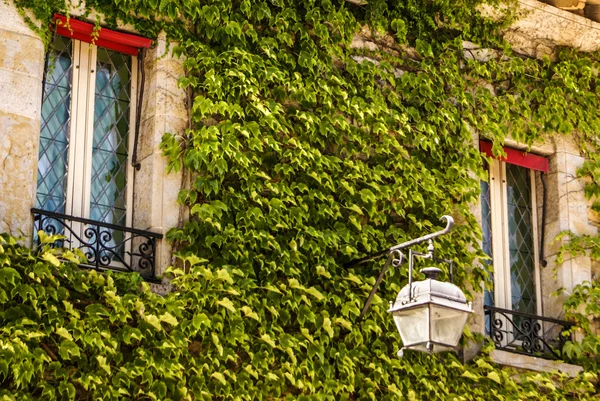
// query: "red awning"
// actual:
[[518, 157], [118, 41]]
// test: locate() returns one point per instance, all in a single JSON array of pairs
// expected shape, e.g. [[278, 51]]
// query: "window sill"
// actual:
[[533, 363]]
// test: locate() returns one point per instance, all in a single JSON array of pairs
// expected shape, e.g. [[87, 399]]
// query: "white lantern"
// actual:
[[430, 315]]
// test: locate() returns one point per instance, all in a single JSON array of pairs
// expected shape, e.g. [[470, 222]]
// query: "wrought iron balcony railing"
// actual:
[[527, 334], [106, 246]]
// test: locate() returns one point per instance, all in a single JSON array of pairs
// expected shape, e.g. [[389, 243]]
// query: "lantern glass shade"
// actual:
[[447, 324], [429, 323], [413, 325], [432, 317]]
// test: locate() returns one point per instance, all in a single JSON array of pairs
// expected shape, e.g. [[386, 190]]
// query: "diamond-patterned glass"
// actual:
[[486, 244], [54, 132], [111, 137], [520, 231]]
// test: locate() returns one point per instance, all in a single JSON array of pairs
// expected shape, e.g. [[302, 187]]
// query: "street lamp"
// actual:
[[430, 314]]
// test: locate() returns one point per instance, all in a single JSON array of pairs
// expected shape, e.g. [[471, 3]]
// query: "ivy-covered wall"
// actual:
[[302, 155]]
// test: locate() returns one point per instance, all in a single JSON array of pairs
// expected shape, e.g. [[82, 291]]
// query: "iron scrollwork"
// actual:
[[106, 246], [528, 334]]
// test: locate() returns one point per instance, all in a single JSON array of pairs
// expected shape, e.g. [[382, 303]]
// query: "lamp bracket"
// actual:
[[396, 258], [407, 244]]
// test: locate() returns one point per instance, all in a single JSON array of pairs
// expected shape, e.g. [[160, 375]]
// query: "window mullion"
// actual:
[[500, 234], [78, 133], [73, 170], [505, 254], [130, 170], [88, 127]]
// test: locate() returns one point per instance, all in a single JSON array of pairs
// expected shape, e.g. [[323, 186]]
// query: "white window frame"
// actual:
[[500, 237]]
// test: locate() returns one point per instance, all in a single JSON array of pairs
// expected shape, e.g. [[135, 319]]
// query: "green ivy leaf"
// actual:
[[249, 313], [494, 376], [168, 318], [68, 349], [61, 331], [154, 321], [227, 304], [470, 375], [267, 338], [50, 258], [219, 376]]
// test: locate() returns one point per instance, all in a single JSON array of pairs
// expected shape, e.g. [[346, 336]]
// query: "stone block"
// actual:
[[162, 96], [567, 144], [593, 216], [541, 29], [543, 148], [22, 54], [551, 245], [533, 363], [172, 184], [21, 94], [150, 105], [582, 269], [572, 164], [552, 194], [153, 128], [161, 45], [155, 203], [596, 270], [171, 100], [18, 172], [12, 21], [160, 288], [147, 194]]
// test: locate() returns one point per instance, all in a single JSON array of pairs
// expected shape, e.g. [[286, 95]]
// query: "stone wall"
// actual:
[[566, 210], [21, 72], [541, 29], [164, 109]]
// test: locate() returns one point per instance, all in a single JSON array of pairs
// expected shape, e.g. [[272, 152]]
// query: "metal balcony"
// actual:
[[526, 334], [106, 246]]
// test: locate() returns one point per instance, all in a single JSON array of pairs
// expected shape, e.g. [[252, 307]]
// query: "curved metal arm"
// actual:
[[446, 230]]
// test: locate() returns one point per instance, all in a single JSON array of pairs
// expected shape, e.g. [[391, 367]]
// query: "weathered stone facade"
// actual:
[[164, 109], [542, 28], [21, 73]]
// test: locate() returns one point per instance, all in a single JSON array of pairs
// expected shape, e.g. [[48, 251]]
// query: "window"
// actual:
[[513, 307], [88, 105], [85, 177], [85, 139], [509, 224]]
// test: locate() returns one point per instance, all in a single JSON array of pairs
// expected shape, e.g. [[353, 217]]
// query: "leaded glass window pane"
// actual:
[[110, 142], [486, 244], [520, 234], [111, 137], [54, 132]]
